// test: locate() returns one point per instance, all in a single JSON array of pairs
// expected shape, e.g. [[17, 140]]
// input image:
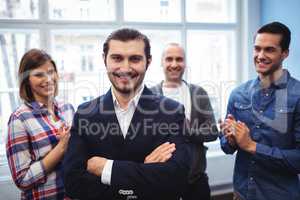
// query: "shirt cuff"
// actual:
[[226, 147], [106, 173], [38, 172], [262, 149]]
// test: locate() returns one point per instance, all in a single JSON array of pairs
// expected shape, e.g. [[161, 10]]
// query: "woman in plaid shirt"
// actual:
[[38, 131]]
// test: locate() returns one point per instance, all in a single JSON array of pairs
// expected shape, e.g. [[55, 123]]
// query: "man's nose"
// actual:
[[126, 65], [174, 63], [261, 54]]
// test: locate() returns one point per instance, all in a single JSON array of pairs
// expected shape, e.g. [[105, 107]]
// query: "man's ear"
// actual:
[[104, 60], [149, 60], [285, 53]]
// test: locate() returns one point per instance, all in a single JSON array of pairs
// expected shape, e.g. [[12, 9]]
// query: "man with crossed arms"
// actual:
[[128, 143]]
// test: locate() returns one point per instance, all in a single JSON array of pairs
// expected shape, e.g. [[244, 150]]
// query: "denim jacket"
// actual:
[[273, 117]]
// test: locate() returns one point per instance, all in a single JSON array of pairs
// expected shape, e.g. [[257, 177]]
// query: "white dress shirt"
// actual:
[[182, 95], [124, 116]]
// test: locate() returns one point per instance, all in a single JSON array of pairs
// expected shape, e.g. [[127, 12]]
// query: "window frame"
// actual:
[[242, 27]]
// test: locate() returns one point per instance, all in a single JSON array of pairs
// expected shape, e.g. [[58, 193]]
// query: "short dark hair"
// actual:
[[31, 60], [127, 34], [278, 28]]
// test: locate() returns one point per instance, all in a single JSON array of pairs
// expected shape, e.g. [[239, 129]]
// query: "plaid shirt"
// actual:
[[31, 135]]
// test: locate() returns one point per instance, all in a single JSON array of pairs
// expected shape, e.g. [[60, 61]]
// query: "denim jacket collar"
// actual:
[[278, 84]]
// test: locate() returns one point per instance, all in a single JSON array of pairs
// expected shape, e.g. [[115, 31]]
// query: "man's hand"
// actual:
[[161, 154], [227, 129], [243, 139], [95, 165]]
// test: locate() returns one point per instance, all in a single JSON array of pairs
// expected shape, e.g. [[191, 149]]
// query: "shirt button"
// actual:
[[267, 95], [257, 126], [261, 111], [251, 178]]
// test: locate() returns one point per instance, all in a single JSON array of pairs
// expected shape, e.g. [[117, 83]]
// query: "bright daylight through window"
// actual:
[[74, 35]]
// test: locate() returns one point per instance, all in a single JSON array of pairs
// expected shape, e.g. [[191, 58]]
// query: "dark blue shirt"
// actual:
[[273, 117]]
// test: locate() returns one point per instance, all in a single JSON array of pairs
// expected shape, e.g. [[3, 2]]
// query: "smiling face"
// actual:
[[268, 55], [126, 65], [43, 82], [173, 63]]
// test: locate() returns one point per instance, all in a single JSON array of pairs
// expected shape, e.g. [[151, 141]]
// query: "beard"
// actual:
[[131, 87], [271, 70], [174, 77]]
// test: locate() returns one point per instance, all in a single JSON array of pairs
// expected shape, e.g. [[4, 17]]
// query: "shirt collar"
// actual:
[[134, 100], [280, 83], [183, 83], [39, 107], [283, 80]]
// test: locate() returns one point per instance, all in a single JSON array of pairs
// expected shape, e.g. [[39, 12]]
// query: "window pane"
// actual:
[[211, 64], [94, 10], [80, 65], [218, 11], [8, 102], [158, 40], [152, 11], [13, 44], [25, 9]]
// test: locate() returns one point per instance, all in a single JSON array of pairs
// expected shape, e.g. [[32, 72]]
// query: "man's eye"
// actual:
[[169, 59], [257, 49], [135, 59], [270, 50], [117, 58], [179, 59]]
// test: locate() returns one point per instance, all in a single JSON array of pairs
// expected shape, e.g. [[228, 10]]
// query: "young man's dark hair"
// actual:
[[127, 163], [127, 34], [278, 28], [267, 145]]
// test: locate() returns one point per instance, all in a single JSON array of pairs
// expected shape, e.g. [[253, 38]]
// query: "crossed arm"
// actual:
[[162, 153], [155, 176]]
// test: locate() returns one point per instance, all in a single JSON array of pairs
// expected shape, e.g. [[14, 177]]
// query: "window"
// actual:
[[25, 9], [158, 39], [213, 65], [152, 11], [13, 44], [90, 10], [80, 53], [208, 29], [216, 11]]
